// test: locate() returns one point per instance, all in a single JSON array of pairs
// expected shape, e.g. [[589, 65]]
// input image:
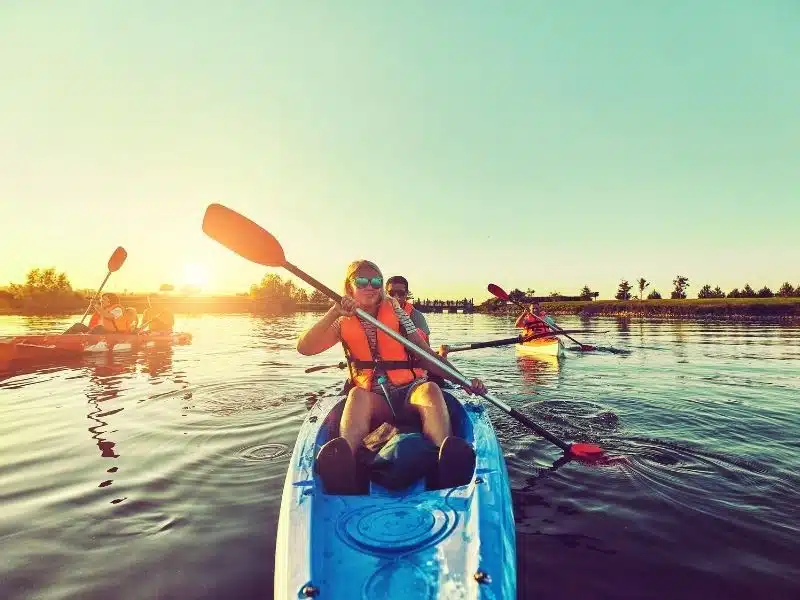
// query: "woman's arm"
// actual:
[[322, 335]]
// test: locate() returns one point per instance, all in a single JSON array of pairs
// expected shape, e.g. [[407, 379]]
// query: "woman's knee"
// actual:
[[427, 394]]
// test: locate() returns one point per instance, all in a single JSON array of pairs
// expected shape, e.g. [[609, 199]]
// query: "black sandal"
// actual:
[[456, 463], [336, 466]]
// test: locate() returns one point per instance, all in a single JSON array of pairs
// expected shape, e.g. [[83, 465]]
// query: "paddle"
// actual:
[[339, 365], [499, 292], [249, 240], [520, 339], [114, 263]]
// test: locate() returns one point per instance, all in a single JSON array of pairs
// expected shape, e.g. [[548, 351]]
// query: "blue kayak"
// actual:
[[410, 543]]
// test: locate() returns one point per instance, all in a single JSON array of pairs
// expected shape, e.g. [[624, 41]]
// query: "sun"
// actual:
[[194, 275]]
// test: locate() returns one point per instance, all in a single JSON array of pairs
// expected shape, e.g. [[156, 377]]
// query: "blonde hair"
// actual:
[[353, 268]]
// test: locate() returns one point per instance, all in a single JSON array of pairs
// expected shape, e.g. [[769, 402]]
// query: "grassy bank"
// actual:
[[717, 308], [722, 308]]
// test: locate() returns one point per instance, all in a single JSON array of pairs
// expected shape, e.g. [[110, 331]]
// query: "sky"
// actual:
[[531, 144]]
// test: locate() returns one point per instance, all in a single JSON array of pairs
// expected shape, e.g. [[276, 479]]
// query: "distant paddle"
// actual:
[[520, 339], [114, 263], [249, 240], [499, 292]]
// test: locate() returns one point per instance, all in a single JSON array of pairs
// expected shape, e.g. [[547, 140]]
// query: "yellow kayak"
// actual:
[[548, 346]]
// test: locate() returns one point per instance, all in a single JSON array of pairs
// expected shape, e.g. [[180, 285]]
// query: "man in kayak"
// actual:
[[531, 325], [110, 317], [156, 320], [388, 382], [397, 287]]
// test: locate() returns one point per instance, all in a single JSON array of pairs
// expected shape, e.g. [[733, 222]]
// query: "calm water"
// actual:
[[159, 475]]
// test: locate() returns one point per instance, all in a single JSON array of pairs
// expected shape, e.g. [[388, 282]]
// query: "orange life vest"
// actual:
[[392, 356], [534, 326], [409, 308], [120, 325]]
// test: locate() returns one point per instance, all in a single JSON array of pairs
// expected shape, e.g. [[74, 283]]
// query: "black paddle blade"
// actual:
[[116, 260], [497, 291], [241, 235]]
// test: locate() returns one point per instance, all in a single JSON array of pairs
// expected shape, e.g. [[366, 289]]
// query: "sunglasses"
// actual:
[[362, 282], [398, 293]]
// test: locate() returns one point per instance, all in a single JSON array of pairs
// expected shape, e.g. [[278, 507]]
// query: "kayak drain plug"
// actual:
[[309, 591], [482, 577]]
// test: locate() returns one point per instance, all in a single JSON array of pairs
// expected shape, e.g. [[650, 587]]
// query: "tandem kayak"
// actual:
[[411, 543], [542, 346], [45, 347]]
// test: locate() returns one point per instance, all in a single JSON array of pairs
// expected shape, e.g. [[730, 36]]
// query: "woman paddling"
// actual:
[[388, 383]]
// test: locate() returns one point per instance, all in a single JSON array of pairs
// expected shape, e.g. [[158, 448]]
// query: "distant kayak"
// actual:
[[46, 347], [409, 543], [542, 346]]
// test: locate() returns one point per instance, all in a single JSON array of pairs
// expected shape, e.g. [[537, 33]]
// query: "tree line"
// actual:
[[681, 283]]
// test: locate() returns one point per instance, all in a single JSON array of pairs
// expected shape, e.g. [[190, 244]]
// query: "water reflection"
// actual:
[[623, 325], [537, 370]]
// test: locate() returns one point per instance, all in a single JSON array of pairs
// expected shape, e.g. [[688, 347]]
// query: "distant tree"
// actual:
[[680, 282], [643, 284], [301, 295], [624, 291], [747, 291], [318, 297], [166, 287], [43, 289], [735, 293], [586, 293], [517, 295], [786, 290], [530, 292], [765, 292], [555, 295], [654, 295], [273, 293], [705, 292]]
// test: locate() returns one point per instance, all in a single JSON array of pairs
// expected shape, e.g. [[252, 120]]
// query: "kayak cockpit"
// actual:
[[460, 422]]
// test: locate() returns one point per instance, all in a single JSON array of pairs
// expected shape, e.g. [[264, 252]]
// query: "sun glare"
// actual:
[[195, 276]]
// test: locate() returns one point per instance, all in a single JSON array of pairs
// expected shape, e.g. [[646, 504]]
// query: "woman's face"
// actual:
[[367, 286]]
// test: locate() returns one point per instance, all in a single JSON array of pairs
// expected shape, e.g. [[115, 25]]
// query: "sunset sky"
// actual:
[[530, 144]]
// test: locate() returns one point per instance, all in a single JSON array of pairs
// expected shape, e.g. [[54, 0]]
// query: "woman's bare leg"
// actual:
[[361, 409], [427, 399]]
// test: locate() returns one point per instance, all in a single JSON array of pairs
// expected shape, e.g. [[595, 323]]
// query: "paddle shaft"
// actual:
[[455, 375], [504, 342], [97, 293]]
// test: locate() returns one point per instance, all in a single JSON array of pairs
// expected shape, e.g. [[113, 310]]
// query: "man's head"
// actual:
[[397, 287], [109, 299]]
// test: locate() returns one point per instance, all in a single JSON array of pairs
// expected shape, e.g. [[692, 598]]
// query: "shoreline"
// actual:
[[723, 309]]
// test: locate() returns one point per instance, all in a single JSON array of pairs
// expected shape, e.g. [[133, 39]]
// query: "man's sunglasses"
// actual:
[[398, 293], [362, 282]]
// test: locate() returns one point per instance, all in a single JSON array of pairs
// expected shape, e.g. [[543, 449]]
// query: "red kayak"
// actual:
[[45, 347]]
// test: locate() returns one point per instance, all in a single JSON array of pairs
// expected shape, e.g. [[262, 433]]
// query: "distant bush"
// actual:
[[44, 291]]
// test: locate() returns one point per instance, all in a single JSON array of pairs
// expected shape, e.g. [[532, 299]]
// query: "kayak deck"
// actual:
[[414, 543], [39, 347], [543, 346]]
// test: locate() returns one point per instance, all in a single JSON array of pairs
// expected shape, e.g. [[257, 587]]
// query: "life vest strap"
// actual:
[[384, 365]]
